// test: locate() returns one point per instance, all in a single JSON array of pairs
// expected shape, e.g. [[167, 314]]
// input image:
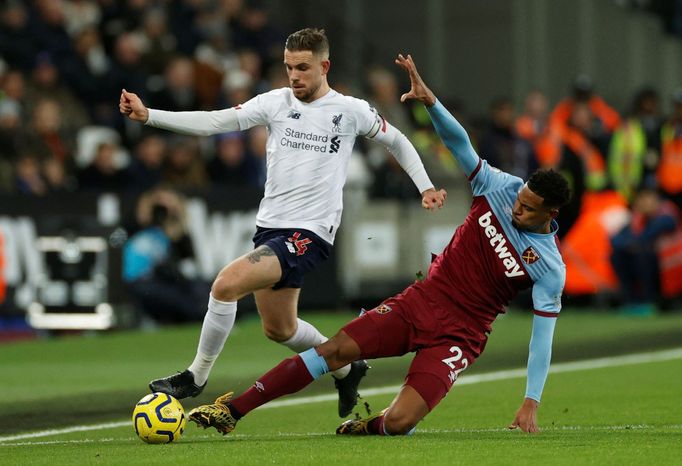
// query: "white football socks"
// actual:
[[306, 337], [217, 325]]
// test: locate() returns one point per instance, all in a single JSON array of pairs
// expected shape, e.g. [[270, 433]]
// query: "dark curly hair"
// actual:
[[311, 39], [551, 186]]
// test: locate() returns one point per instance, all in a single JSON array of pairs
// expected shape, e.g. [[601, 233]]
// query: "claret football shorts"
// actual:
[[400, 325]]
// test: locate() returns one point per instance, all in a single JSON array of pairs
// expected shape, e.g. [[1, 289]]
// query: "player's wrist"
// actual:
[[429, 99], [531, 403]]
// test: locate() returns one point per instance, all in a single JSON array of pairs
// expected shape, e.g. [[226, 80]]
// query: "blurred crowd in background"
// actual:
[[63, 65]]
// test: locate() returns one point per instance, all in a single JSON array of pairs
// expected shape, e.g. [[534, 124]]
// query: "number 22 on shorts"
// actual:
[[452, 360]]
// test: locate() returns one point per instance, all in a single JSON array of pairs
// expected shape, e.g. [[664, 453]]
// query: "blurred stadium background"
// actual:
[[591, 87]]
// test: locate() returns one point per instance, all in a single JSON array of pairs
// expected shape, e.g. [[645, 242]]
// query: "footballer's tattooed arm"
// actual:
[[261, 251]]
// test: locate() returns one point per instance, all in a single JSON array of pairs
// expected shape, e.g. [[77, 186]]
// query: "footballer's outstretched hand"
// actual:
[[418, 90], [131, 105], [526, 417], [432, 199]]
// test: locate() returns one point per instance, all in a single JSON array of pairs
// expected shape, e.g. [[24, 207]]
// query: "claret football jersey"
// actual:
[[488, 261], [308, 150]]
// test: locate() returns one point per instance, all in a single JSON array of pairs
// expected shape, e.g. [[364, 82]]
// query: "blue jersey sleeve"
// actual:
[[455, 137], [539, 355], [482, 176], [487, 178], [547, 292]]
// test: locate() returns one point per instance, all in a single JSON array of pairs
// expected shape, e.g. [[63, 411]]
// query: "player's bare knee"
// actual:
[[224, 289], [399, 423], [278, 333]]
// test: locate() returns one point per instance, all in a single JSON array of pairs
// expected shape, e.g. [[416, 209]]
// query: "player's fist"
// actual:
[[432, 199], [131, 105]]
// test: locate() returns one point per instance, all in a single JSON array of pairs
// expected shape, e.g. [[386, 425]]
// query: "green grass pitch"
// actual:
[[623, 412]]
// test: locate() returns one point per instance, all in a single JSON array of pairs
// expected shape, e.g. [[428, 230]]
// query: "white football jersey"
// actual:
[[308, 149]]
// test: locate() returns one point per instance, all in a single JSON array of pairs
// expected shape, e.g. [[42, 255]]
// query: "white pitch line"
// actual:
[[588, 364], [328, 434], [614, 361]]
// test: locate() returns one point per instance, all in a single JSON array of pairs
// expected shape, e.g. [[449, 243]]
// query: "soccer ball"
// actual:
[[159, 418]]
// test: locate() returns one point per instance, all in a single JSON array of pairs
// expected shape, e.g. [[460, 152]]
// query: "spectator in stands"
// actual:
[[256, 148], [88, 73], [14, 86], [647, 109], [436, 156], [10, 132], [28, 178], [80, 15], [179, 92], [89, 46], [390, 180], [251, 29], [47, 137], [385, 96], [276, 76], [603, 122], [184, 168], [669, 171], [152, 261], [502, 146], [605, 119], [532, 123], [633, 152], [158, 44], [183, 20], [580, 161], [634, 255], [128, 71], [145, 170], [46, 83], [102, 174], [213, 59], [48, 30], [237, 87], [16, 42], [232, 165], [56, 178]]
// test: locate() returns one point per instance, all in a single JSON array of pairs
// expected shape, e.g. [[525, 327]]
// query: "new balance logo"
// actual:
[[293, 114], [336, 142]]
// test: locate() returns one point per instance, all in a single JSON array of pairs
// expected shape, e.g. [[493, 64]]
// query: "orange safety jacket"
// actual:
[[586, 248], [528, 128], [548, 152], [600, 109], [669, 171]]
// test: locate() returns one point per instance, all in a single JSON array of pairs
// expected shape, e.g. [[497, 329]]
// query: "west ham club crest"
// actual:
[[529, 256]]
